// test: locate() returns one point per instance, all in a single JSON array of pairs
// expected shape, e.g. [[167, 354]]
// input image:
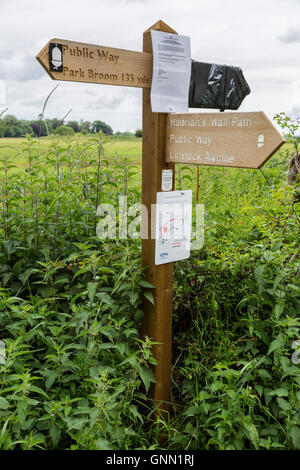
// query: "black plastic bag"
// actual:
[[217, 86]]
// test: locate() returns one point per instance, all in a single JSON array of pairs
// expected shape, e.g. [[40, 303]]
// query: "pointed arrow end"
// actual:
[[280, 144], [43, 58]]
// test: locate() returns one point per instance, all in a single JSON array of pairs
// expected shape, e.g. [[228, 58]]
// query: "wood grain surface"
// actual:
[[90, 63], [245, 140]]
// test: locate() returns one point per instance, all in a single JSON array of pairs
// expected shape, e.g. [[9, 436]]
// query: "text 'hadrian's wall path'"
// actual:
[[243, 140]]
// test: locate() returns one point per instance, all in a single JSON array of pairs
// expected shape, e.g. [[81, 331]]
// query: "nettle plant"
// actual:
[[75, 371], [290, 127], [70, 304]]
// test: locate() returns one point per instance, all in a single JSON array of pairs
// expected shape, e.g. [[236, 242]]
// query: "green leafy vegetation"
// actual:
[[77, 373]]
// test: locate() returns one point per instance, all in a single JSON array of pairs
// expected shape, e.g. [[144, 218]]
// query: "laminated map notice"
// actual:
[[171, 72], [173, 226]]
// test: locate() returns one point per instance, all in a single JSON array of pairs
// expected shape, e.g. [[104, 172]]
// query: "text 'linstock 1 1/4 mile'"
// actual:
[[245, 140]]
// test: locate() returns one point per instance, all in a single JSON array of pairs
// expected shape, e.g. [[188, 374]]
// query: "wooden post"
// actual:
[[157, 320]]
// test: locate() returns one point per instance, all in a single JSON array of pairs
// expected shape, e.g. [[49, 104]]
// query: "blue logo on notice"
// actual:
[[164, 255]]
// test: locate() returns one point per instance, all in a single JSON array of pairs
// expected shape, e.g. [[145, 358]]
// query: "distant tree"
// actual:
[[51, 124], [19, 131], [127, 134], [24, 128], [98, 126], [9, 132], [2, 128], [64, 130], [39, 128], [35, 128], [74, 125], [10, 121], [138, 133], [10, 126], [85, 127], [54, 123]]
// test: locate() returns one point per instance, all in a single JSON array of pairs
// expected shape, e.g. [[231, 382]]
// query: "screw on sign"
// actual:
[[235, 139]]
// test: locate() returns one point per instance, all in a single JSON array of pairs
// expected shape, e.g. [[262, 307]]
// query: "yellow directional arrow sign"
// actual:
[[80, 62], [245, 140]]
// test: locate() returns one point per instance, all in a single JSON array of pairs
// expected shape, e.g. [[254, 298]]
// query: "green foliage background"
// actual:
[[76, 372]]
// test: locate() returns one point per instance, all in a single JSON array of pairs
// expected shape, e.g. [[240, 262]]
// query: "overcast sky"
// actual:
[[260, 36]]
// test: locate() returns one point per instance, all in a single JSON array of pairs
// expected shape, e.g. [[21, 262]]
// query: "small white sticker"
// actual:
[[2, 92], [167, 180]]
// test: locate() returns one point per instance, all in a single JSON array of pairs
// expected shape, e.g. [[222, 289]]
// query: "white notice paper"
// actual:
[[171, 72], [173, 226]]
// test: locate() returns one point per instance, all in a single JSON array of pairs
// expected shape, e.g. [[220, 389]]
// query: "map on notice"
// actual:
[[173, 226]]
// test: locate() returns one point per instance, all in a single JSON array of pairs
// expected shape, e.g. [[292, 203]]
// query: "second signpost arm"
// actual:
[[157, 320]]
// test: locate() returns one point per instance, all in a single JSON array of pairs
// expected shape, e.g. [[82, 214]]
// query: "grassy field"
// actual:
[[77, 373], [131, 147]]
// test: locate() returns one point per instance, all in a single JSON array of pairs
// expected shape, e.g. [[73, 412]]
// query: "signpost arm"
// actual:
[[157, 320]]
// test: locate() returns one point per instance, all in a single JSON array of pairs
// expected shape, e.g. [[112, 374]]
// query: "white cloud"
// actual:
[[292, 35]]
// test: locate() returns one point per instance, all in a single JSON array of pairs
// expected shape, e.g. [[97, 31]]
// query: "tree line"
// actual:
[[10, 126]]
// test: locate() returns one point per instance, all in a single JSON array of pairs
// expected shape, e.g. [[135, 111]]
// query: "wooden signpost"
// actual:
[[245, 140], [88, 63], [157, 319]]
